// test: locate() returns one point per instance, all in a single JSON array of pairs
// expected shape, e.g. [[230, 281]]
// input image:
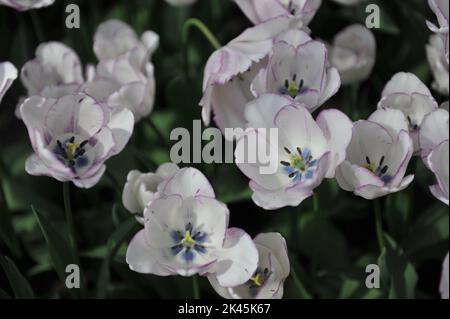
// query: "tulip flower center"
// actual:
[[72, 152], [291, 7], [188, 242], [301, 165], [412, 125], [380, 170], [292, 88], [258, 279]]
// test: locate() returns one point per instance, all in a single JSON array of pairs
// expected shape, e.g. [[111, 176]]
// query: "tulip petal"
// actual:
[[237, 260]]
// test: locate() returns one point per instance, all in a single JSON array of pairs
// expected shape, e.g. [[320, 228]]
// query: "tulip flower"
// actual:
[[268, 279], [438, 162], [114, 38], [353, 53], [186, 233], [8, 73], [405, 92], [73, 136], [259, 11], [378, 156], [433, 142], [142, 188], [231, 69], [440, 9], [24, 5], [124, 71], [305, 153], [55, 65], [434, 131], [438, 60], [300, 72]]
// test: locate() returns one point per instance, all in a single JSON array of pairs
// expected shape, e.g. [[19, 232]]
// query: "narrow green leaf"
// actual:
[[114, 242], [58, 247], [19, 284], [7, 233], [4, 294], [398, 276], [429, 229]]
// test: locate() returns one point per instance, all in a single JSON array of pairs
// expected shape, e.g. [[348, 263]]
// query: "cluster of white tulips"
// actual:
[[275, 74]]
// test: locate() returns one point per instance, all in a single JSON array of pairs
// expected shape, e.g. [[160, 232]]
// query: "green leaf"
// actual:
[[428, 230], [117, 238], [398, 276], [321, 241], [4, 294], [58, 247], [20, 196], [19, 284], [7, 233]]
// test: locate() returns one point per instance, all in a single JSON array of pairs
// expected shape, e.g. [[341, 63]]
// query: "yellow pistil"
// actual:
[[188, 240], [297, 162], [371, 167], [257, 280], [293, 89], [71, 149]]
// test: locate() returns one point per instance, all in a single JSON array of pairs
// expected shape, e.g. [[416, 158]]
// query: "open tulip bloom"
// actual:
[[268, 279], [8, 73], [230, 70], [258, 11], [378, 156], [269, 58], [305, 153], [73, 136], [433, 141], [405, 92], [186, 233], [299, 71]]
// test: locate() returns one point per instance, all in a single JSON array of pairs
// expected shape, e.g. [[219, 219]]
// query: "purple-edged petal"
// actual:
[[392, 120], [8, 73], [434, 130], [144, 259], [438, 161], [237, 261], [338, 130], [189, 182]]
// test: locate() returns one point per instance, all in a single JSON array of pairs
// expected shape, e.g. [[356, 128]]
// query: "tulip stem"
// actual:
[[69, 221], [193, 22], [195, 287], [378, 223]]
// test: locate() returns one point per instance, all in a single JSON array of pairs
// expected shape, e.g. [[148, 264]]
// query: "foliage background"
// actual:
[[331, 238]]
